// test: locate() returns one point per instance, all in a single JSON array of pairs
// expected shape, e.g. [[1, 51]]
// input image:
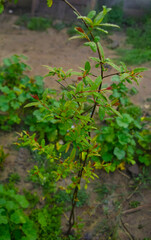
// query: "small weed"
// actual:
[[2, 157], [34, 23], [14, 178], [102, 191], [134, 204], [39, 24], [139, 36], [33, 199], [59, 26], [144, 177], [63, 197]]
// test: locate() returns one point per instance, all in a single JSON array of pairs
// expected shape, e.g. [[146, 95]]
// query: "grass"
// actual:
[[139, 37], [34, 23], [134, 56]]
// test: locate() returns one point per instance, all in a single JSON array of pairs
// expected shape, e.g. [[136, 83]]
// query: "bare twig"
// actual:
[[132, 210], [125, 175], [133, 191], [130, 236]]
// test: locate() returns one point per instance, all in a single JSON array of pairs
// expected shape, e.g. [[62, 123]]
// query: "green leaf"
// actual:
[[119, 153], [18, 217], [72, 155], [10, 205], [3, 217], [116, 112], [76, 37], [7, 62], [32, 104], [102, 30], [86, 19], [1, 8], [101, 50], [49, 3], [87, 67], [29, 230], [21, 200], [39, 80], [91, 14], [138, 70], [99, 18], [109, 25], [145, 159], [97, 39], [107, 157], [115, 78], [92, 45], [98, 81], [95, 59], [124, 121], [124, 76], [101, 113], [108, 61], [42, 219], [4, 232]]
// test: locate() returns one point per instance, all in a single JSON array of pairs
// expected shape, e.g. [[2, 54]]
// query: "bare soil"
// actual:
[[108, 215]]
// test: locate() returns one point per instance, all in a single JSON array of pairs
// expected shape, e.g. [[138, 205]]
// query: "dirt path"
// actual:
[[54, 49]]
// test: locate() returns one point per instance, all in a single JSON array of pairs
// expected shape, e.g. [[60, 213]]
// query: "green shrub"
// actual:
[[34, 23], [3, 156], [14, 223], [16, 89], [139, 36], [39, 24]]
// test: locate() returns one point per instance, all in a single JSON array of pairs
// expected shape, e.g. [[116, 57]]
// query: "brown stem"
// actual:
[[72, 218]]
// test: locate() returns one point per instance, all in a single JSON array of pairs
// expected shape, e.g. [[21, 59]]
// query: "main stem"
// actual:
[[75, 193]]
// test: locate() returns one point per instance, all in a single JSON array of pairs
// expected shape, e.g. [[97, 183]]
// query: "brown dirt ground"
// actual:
[[102, 217]]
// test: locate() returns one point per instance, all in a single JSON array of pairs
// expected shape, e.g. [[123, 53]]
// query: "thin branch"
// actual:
[[112, 74], [127, 231], [132, 210], [61, 84]]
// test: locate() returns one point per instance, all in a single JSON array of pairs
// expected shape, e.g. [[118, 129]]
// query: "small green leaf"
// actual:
[[32, 104], [101, 50], [42, 219], [109, 25], [92, 45], [102, 30], [97, 39], [119, 153], [86, 19], [5, 232], [138, 70], [108, 61], [87, 67], [18, 217], [3, 217], [116, 112], [91, 14], [101, 113], [21, 200], [99, 18], [49, 3], [29, 230], [73, 153], [1, 8]]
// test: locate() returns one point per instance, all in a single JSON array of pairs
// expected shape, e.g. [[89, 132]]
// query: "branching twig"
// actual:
[[132, 210], [127, 231]]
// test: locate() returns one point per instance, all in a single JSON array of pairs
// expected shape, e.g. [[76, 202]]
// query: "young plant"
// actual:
[[3, 156], [76, 154], [14, 223]]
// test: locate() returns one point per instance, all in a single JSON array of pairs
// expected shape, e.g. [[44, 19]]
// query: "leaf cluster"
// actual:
[[14, 223]]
